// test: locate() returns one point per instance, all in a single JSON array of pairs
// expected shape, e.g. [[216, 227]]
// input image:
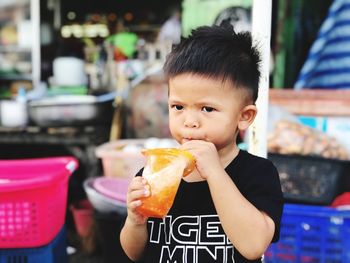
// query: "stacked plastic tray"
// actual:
[[312, 234], [33, 200]]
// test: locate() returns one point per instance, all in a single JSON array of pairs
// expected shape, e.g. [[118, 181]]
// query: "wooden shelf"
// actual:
[[14, 48], [312, 102]]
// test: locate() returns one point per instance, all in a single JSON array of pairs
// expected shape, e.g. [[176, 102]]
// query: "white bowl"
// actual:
[[101, 202]]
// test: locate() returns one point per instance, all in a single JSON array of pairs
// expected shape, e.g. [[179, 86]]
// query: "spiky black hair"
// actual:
[[217, 52]]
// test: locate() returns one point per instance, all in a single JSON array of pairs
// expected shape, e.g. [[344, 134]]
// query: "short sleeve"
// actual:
[[263, 190]]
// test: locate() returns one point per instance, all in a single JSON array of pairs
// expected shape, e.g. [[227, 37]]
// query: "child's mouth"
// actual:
[[190, 139], [186, 140]]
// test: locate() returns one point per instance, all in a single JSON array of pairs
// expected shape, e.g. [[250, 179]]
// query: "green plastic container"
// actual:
[[197, 13]]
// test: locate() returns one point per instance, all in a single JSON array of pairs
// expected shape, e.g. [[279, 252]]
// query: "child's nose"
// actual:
[[191, 122]]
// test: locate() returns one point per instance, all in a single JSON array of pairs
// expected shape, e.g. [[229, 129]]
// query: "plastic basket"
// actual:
[[118, 163], [54, 252], [311, 180], [115, 188], [33, 200], [311, 234], [82, 211]]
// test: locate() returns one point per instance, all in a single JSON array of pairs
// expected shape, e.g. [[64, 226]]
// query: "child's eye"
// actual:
[[177, 107], [208, 109]]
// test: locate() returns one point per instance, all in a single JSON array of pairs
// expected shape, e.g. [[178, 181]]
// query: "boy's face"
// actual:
[[207, 109]]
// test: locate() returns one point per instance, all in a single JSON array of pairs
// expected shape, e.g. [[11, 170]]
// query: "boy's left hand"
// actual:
[[206, 155]]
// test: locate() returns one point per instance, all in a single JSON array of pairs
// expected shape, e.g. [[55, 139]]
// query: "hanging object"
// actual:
[[328, 62]]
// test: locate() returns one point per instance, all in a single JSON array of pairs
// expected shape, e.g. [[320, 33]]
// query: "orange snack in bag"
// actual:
[[164, 169]]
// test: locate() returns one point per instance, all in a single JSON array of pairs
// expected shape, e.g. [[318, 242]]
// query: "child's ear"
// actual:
[[247, 117]]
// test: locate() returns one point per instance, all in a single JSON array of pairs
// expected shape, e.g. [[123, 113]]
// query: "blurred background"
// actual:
[[84, 79]]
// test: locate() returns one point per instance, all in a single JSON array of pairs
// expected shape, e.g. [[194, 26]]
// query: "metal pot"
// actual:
[[71, 110]]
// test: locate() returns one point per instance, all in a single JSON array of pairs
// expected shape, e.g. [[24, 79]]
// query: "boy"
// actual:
[[229, 208]]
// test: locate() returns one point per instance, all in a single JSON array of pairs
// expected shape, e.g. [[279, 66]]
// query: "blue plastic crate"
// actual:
[[312, 234], [54, 252]]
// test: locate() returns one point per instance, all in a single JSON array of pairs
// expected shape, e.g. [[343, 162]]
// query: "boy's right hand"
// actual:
[[138, 189]]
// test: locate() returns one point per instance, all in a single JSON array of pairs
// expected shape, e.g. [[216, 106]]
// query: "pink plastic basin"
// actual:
[[33, 199], [115, 188]]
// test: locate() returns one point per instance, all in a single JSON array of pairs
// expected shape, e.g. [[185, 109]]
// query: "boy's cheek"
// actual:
[[174, 133], [173, 124]]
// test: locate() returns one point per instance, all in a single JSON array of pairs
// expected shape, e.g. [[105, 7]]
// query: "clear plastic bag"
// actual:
[[294, 138], [164, 170]]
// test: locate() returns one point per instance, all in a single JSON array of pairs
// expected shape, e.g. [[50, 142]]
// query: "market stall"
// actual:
[[117, 102]]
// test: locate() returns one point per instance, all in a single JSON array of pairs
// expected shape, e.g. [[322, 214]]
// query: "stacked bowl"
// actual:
[[107, 194]]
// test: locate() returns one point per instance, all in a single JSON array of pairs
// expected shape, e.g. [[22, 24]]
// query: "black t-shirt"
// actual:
[[191, 232]]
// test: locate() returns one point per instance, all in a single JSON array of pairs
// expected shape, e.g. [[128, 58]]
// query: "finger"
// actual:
[[137, 194], [141, 192], [133, 205], [193, 145], [137, 183], [187, 147], [198, 146], [191, 142]]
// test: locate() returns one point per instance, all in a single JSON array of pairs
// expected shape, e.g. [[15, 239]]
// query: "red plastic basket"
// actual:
[[82, 212], [33, 200]]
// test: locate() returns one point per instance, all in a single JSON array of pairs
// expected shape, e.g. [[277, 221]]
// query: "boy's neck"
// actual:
[[228, 155]]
